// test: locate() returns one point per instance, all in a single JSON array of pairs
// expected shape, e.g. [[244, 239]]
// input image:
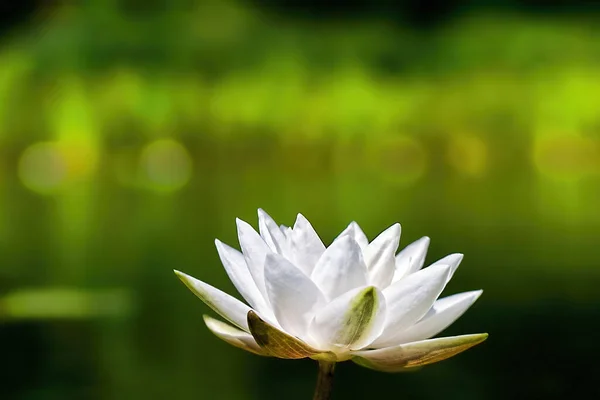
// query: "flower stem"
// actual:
[[324, 380]]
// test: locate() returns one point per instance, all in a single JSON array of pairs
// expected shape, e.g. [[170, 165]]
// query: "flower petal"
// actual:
[[233, 336], [354, 230], [292, 294], [306, 245], [277, 343], [416, 354], [237, 270], [441, 315], [409, 299], [223, 304], [271, 233], [340, 268], [453, 260], [353, 320], [255, 251], [411, 258], [380, 256]]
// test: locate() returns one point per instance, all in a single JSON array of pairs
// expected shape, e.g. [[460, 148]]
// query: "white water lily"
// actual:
[[354, 300]]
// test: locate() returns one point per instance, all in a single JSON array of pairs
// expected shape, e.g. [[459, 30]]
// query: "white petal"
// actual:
[[380, 256], [453, 260], [292, 294], [271, 233], [416, 354], [223, 304], [233, 336], [443, 313], [354, 230], [411, 258], [255, 251], [340, 268], [306, 245], [409, 299], [352, 321], [237, 270]]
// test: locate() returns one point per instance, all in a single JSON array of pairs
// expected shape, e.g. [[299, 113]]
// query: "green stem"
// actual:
[[324, 380]]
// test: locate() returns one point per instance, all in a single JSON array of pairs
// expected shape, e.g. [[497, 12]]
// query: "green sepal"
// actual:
[[417, 354], [277, 343]]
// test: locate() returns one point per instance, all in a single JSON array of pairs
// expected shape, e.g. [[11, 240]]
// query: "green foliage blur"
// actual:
[[132, 134]]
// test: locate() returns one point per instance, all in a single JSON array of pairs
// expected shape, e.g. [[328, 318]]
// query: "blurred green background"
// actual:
[[132, 133]]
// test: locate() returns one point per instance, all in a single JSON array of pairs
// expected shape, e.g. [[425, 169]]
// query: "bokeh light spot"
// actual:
[[566, 157], [468, 154], [42, 167], [81, 158], [166, 165]]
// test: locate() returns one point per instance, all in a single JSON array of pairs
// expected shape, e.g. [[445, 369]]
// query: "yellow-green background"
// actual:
[[133, 133]]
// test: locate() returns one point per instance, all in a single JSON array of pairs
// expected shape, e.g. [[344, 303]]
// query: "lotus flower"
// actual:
[[354, 300]]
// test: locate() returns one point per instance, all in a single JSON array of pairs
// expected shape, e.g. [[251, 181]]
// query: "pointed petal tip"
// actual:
[[219, 245], [187, 280], [181, 275], [455, 257], [210, 322], [243, 226], [440, 268], [240, 221], [232, 335], [423, 241], [471, 294], [369, 292], [252, 317], [472, 339], [300, 217], [477, 338], [474, 295], [354, 225], [222, 246], [262, 214]]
